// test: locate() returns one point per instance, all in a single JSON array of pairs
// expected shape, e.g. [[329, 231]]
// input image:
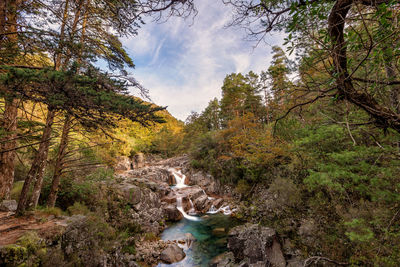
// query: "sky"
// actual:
[[183, 62]]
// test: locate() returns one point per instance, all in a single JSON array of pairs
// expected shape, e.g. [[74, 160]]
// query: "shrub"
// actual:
[[78, 208]]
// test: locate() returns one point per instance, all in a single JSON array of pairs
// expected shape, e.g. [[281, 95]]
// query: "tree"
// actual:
[[83, 37], [240, 94], [211, 115], [8, 52], [328, 27], [277, 75]]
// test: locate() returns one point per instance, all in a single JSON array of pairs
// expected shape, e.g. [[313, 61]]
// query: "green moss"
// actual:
[[31, 241], [13, 255]]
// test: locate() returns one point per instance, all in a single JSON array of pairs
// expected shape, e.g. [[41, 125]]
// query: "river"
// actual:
[[209, 231]]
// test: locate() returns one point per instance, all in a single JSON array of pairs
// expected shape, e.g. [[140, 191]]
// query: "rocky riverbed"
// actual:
[[147, 199]]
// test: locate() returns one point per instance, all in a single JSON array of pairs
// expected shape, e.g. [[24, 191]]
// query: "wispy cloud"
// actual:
[[183, 64]]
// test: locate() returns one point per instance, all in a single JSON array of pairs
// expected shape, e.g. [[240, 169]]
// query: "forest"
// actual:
[[309, 147]]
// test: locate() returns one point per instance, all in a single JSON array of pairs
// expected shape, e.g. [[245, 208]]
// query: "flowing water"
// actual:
[[211, 238], [209, 231]]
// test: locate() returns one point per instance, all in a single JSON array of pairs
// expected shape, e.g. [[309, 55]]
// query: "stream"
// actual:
[[211, 238], [205, 235]]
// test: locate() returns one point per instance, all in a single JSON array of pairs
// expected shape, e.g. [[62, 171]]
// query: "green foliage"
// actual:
[[167, 143], [78, 208], [57, 212], [29, 250], [16, 190], [73, 190], [325, 165]]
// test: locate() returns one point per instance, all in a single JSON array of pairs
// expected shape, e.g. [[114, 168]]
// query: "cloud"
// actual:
[[183, 64]]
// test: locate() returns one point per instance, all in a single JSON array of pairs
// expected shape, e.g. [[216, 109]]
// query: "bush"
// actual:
[[85, 191], [78, 208], [51, 211]]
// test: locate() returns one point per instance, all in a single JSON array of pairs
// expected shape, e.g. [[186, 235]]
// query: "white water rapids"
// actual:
[[180, 183], [226, 210], [180, 208], [179, 178]]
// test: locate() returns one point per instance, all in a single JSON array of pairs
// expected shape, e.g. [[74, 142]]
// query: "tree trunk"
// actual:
[[59, 162], [384, 117], [8, 143], [39, 180], [8, 21], [42, 158], [38, 165]]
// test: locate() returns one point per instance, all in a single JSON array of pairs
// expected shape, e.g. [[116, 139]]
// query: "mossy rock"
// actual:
[[31, 241], [13, 255], [28, 250]]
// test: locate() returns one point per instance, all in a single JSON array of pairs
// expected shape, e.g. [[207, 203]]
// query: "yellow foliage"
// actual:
[[246, 140]]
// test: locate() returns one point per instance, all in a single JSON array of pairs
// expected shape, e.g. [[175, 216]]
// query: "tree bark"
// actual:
[[59, 162], [67, 123], [8, 21], [384, 117], [41, 157], [9, 142], [38, 164]]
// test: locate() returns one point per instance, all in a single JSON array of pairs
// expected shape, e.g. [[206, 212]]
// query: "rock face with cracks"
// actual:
[[255, 244], [173, 253]]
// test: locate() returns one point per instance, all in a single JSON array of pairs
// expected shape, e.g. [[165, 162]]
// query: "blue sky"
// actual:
[[183, 62]]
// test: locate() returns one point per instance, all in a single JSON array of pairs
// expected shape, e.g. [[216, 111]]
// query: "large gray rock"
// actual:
[[205, 181], [202, 204], [172, 213], [173, 253], [144, 204], [254, 244], [8, 205], [123, 164]]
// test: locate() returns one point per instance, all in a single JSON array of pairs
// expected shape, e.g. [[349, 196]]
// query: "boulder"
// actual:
[[218, 202], [223, 260], [205, 181], [172, 213], [193, 192], [202, 204], [8, 205], [170, 199], [123, 164], [173, 253], [252, 244]]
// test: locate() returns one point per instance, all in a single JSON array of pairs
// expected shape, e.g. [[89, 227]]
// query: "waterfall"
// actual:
[[180, 208], [192, 210], [180, 183], [179, 178]]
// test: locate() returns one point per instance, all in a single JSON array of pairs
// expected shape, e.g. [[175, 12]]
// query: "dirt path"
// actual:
[[12, 227]]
